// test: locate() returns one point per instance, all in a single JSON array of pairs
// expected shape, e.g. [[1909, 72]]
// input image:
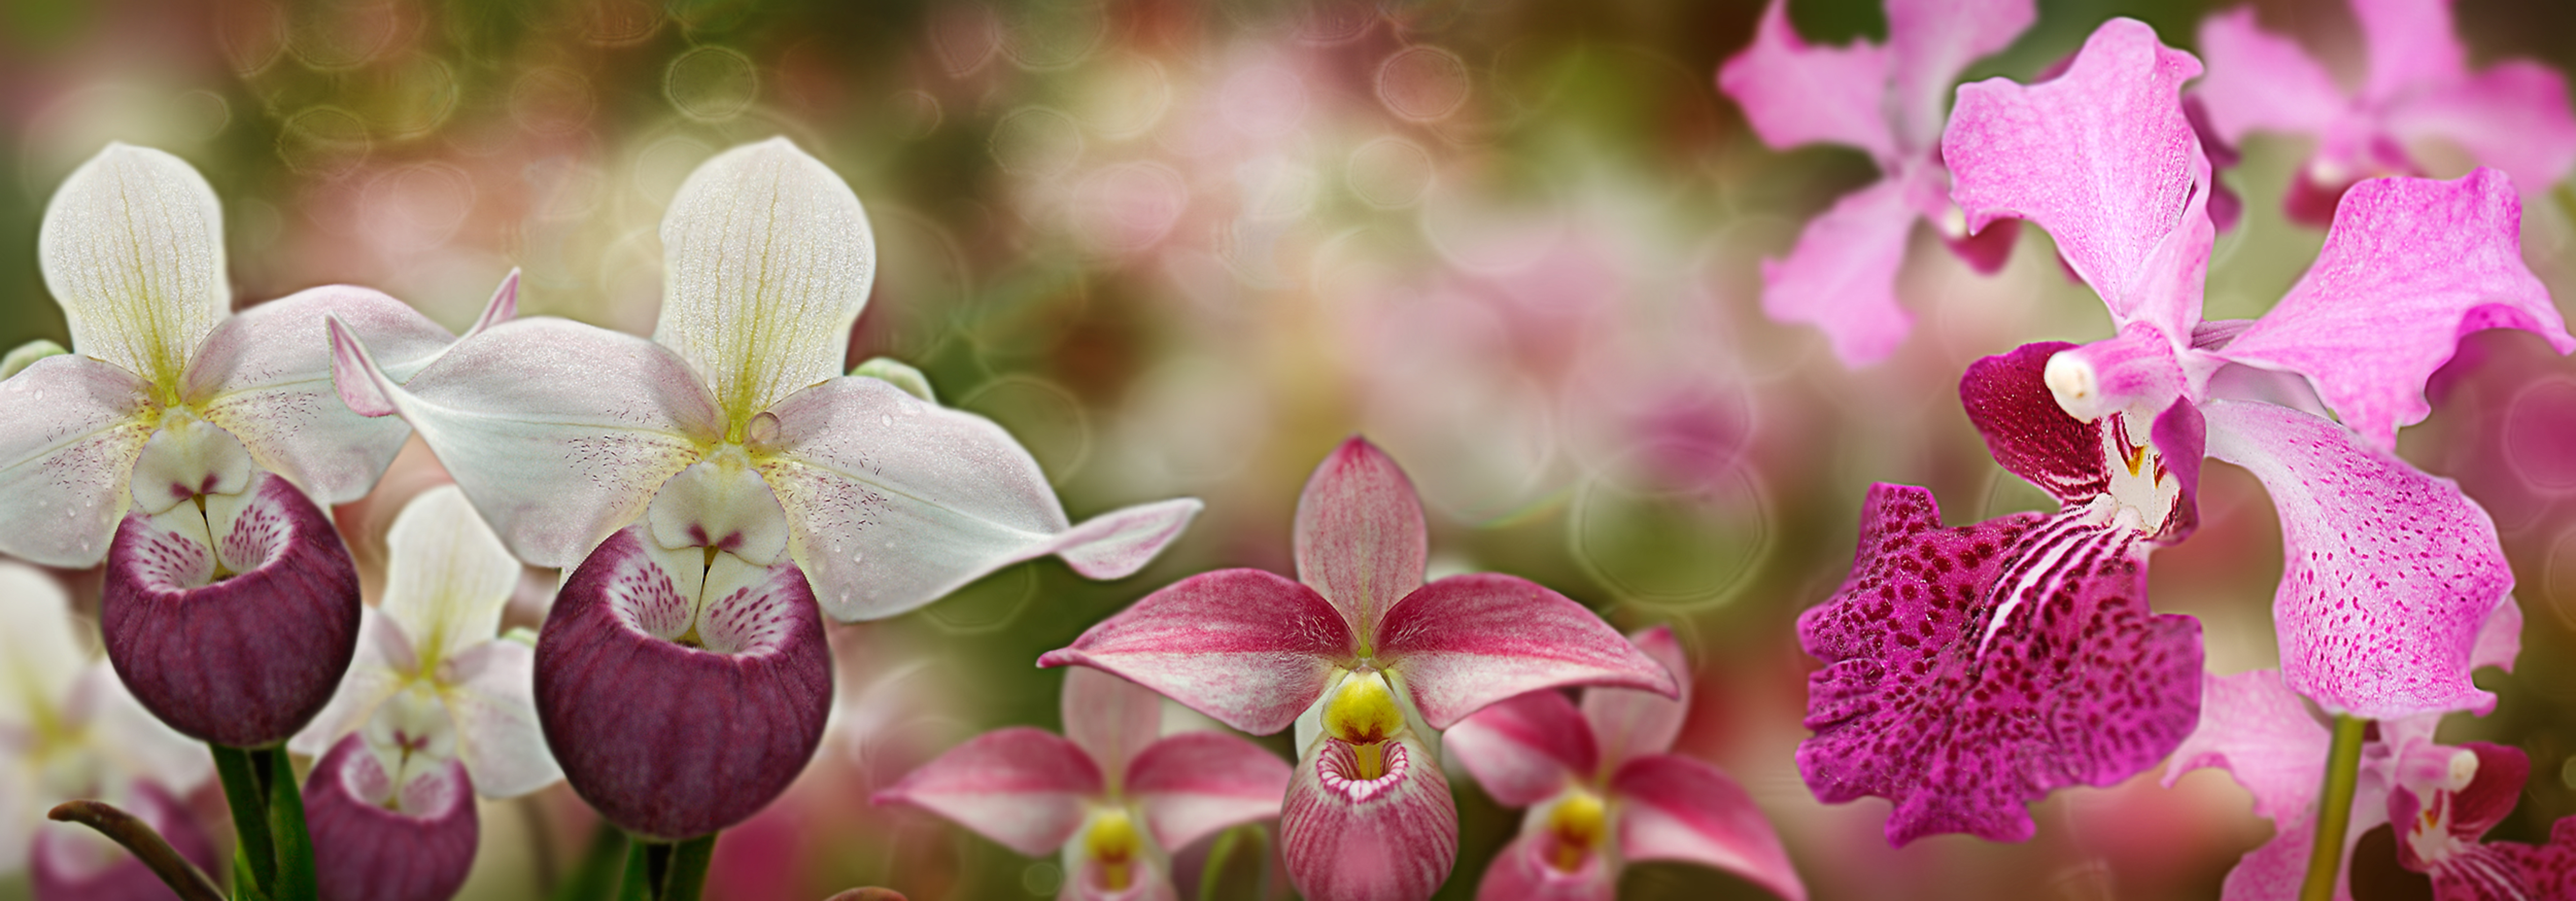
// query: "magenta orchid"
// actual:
[[2513, 115], [1116, 796], [2440, 828], [1603, 789], [1368, 661], [1888, 101]]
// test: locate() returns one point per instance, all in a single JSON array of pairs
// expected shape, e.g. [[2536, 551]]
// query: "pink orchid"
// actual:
[[2439, 829], [2390, 571], [1113, 794], [1368, 662], [1886, 100], [1585, 772], [2512, 115]]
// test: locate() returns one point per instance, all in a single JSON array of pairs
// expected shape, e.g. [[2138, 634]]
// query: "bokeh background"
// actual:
[[1183, 248]]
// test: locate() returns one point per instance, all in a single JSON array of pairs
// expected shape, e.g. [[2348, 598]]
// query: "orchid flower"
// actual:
[[68, 730], [1368, 662], [1113, 794], [2442, 825], [2390, 571], [2513, 115], [1603, 789], [392, 819], [200, 442], [1888, 101]]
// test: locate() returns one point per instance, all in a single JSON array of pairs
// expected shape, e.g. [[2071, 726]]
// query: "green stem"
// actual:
[[148, 846], [2334, 808], [688, 875], [597, 876], [666, 871], [637, 884], [247, 795], [295, 879]]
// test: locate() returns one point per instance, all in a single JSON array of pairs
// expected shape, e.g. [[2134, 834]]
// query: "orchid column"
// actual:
[[709, 488]]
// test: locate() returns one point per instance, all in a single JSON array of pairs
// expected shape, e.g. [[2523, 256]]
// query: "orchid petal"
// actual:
[[2259, 731], [1841, 276], [265, 377], [1522, 872], [1630, 724], [449, 578], [2391, 572], [2500, 639], [2513, 116], [490, 692], [40, 653], [768, 258], [1249, 648], [1391, 838], [1360, 538], [1677, 808], [121, 730], [1524, 749], [1022, 787], [132, 247], [2410, 266], [71, 429], [2008, 399], [1110, 718], [1969, 670], [2105, 160], [2260, 81], [559, 432], [1467, 641], [1929, 41], [893, 502], [1193, 784], [2410, 44], [2512, 869], [381, 666], [1793, 93]]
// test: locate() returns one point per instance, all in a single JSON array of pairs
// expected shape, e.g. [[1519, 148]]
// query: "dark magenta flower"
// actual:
[[391, 820]]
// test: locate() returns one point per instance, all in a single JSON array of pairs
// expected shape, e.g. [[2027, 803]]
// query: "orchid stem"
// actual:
[[295, 877], [190, 883], [246, 794], [666, 871], [2334, 808]]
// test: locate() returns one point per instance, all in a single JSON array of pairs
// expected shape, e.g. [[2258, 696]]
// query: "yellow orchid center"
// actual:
[[1575, 826], [1113, 844], [1364, 714]]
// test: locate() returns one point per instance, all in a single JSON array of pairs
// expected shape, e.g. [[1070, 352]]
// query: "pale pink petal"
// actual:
[[70, 430], [1022, 787], [2410, 46], [2391, 572], [2500, 640], [132, 247], [1841, 276], [1929, 41], [265, 376], [1466, 641], [1360, 538], [560, 432], [2106, 161], [1793, 93], [491, 695], [1249, 648], [384, 661], [2410, 266], [2260, 81], [1677, 808], [1523, 873], [1628, 723], [2275, 870], [2513, 116], [893, 502], [1524, 749], [1195, 783], [2257, 730], [1392, 838], [1111, 718]]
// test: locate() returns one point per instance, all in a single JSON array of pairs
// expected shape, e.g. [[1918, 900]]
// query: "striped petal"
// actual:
[[1467, 641], [1022, 787], [1628, 723], [1524, 749], [1249, 648], [1346, 837], [1110, 718], [1360, 537], [132, 246], [1193, 784], [449, 577], [1677, 808]]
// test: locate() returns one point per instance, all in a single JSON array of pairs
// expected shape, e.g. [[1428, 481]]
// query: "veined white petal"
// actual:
[[140, 743], [187, 457], [449, 578], [70, 428], [132, 246], [767, 258], [720, 502], [265, 376], [40, 653], [490, 693]]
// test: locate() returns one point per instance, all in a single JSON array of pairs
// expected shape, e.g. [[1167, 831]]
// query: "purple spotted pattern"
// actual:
[[246, 660], [672, 741], [2080, 685]]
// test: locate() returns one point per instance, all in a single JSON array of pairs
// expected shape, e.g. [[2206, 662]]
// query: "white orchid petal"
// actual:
[[893, 502], [70, 429], [17, 831], [132, 247], [720, 503], [381, 666], [497, 736], [140, 742], [40, 652], [449, 578], [559, 432], [186, 458], [767, 259], [265, 376]]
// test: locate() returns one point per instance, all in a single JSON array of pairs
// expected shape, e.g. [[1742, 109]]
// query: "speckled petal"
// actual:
[[1970, 670], [71, 429], [265, 377]]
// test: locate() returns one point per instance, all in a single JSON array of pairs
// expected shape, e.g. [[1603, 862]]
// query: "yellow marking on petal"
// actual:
[[1363, 711], [1576, 826], [1112, 843]]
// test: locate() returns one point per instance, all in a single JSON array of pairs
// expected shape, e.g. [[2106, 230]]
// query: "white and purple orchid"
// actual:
[[1603, 789], [1113, 794], [1888, 100], [2418, 89], [1368, 662]]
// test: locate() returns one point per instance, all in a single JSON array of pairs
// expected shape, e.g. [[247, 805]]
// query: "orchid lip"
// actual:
[[393, 836]]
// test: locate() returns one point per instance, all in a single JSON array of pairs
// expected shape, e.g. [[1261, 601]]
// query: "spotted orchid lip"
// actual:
[[668, 740], [244, 660], [363, 848]]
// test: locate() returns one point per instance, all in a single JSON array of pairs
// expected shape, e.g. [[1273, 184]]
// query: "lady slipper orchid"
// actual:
[[1113, 794], [1367, 661], [1603, 789], [192, 438], [1888, 101], [2512, 115], [392, 817]]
